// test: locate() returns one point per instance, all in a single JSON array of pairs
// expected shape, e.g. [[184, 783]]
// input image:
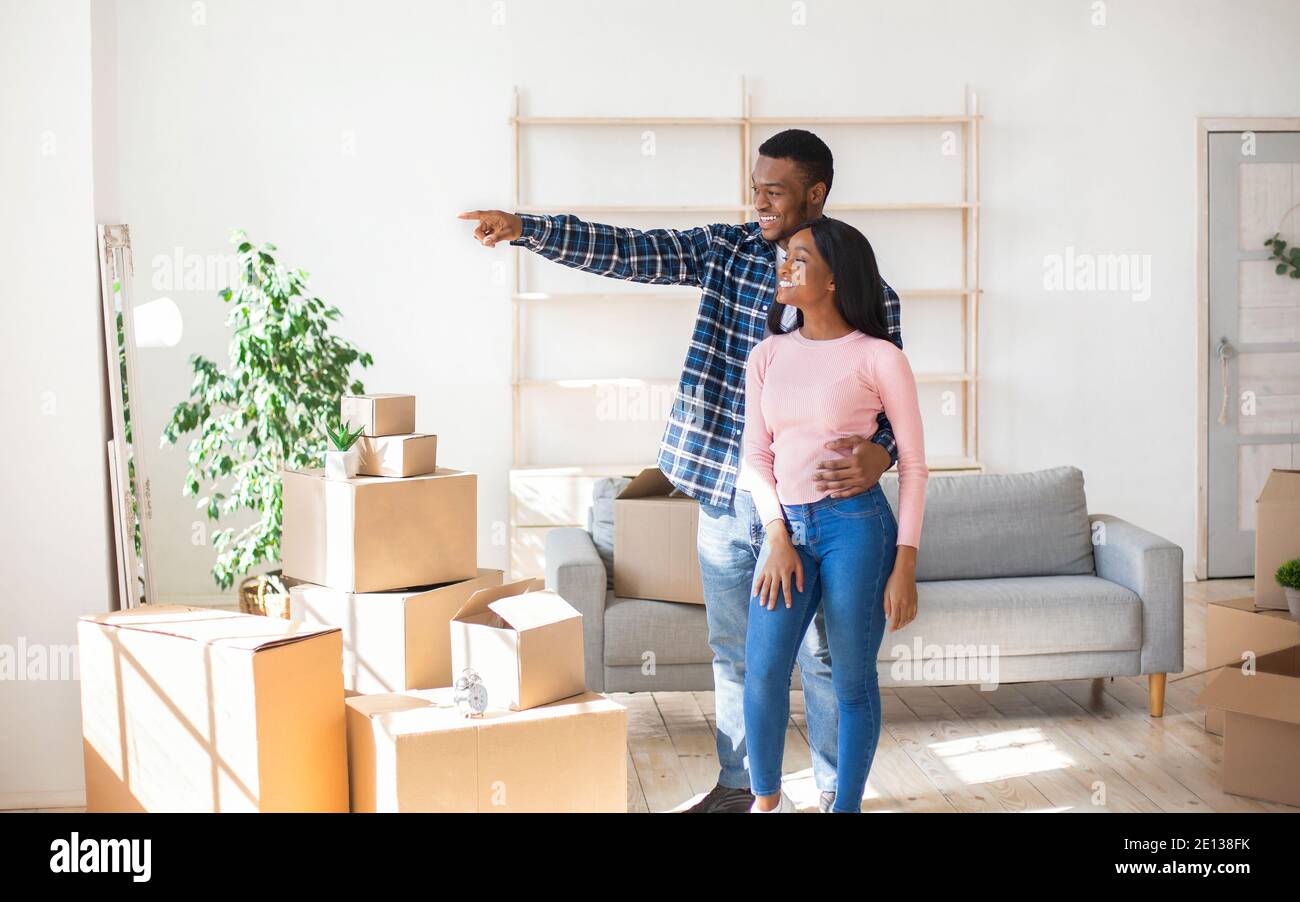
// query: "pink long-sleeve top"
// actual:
[[801, 394]]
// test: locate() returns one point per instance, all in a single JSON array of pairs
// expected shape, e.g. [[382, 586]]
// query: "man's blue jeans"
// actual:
[[847, 547], [730, 539]]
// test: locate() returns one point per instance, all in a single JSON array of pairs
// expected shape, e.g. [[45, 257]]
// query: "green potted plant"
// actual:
[[1288, 577], [343, 460], [263, 412]]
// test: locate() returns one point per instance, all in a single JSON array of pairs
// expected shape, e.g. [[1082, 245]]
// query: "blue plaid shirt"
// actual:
[[735, 266]]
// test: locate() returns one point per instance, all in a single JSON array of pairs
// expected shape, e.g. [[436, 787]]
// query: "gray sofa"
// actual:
[[1016, 583]]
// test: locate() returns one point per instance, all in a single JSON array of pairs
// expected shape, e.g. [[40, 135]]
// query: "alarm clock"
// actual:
[[470, 694]]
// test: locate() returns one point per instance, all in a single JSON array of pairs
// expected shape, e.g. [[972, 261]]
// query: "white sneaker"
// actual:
[[785, 806]]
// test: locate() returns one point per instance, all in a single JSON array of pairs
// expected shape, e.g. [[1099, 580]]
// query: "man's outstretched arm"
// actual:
[[656, 256]]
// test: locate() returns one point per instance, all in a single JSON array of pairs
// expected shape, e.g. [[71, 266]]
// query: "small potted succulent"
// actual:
[[343, 459], [1288, 577]]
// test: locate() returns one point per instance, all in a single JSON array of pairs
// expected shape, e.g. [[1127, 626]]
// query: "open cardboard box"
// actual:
[[199, 709], [1277, 535], [524, 641], [416, 752], [392, 641], [1235, 626], [655, 551], [1261, 726], [374, 534]]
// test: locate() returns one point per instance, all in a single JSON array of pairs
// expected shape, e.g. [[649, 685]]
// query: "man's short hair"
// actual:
[[807, 150]]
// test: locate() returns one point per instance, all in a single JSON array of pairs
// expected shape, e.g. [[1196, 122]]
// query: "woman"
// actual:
[[827, 378]]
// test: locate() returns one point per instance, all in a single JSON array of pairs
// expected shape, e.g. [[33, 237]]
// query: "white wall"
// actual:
[[351, 133], [55, 531]]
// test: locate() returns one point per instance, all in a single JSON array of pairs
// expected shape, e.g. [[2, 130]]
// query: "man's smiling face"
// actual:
[[781, 199]]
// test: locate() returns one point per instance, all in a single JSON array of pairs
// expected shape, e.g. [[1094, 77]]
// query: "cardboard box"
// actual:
[[655, 552], [525, 642], [398, 455], [1235, 626], [1261, 735], [374, 534], [1277, 535], [416, 752], [379, 414], [198, 709], [392, 641]]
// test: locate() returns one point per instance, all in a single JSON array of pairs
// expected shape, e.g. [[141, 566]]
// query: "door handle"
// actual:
[[1226, 352]]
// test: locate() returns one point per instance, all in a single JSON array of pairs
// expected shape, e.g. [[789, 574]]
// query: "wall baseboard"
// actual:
[[73, 798]]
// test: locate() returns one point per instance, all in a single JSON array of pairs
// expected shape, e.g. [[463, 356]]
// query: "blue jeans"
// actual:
[[730, 539], [847, 547]]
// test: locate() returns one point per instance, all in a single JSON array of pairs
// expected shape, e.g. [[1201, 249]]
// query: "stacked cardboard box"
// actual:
[[544, 743], [388, 556], [389, 559], [197, 709]]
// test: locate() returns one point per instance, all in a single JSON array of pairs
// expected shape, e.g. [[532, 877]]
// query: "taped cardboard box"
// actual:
[[524, 641], [382, 414], [398, 455], [392, 641], [1261, 726], [197, 709], [1236, 626], [374, 534], [1277, 535], [655, 551], [415, 752]]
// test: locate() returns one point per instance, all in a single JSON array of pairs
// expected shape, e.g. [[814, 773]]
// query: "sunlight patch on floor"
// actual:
[[998, 756]]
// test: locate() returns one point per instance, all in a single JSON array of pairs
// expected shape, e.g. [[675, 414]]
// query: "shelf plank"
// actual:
[[693, 295], [624, 121], [861, 120], [745, 208]]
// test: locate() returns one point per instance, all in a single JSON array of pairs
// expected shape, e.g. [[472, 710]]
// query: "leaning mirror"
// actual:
[[128, 473]]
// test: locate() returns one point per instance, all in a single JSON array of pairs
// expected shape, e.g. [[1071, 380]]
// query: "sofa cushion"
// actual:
[[676, 633], [1023, 616], [991, 526], [600, 520]]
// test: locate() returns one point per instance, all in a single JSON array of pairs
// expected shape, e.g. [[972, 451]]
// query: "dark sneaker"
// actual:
[[723, 800], [826, 801]]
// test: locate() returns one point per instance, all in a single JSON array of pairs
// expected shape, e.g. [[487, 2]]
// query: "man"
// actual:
[[735, 267]]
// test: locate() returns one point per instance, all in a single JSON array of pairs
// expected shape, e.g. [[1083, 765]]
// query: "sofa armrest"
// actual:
[[575, 571], [1151, 567]]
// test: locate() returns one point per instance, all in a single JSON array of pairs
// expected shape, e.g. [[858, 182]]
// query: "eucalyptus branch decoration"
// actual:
[[266, 409], [1288, 258]]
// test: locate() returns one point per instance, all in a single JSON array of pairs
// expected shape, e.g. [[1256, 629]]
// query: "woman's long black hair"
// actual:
[[859, 291]]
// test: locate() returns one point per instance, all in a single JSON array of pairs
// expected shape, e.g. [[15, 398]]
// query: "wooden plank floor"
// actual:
[[1076, 745], [1083, 746]]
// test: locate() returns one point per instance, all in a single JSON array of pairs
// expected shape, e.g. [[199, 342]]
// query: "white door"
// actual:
[[1254, 335]]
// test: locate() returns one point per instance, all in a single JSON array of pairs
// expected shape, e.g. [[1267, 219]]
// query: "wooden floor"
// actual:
[[1073, 745]]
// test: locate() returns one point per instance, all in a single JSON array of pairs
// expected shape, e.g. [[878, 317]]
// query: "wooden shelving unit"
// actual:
[[529, 518]]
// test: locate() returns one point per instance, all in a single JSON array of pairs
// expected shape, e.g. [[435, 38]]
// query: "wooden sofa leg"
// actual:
[[1156, 693]]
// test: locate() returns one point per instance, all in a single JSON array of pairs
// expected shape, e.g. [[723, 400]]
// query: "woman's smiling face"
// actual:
[[804, 279]]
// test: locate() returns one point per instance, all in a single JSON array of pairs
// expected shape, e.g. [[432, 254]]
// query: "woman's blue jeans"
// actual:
[[847, 547]]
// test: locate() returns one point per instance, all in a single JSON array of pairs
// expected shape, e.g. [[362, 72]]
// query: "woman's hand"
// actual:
[[900, 591], [782, 564]]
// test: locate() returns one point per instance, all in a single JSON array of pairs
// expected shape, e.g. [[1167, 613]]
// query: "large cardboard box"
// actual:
[[374, 534], [655, 552], [1261, 726], [381, 414], [415, 752], [197, 709], [1235, 626], [392, 641], [398, 455], [1277, 535], [524, 641]]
